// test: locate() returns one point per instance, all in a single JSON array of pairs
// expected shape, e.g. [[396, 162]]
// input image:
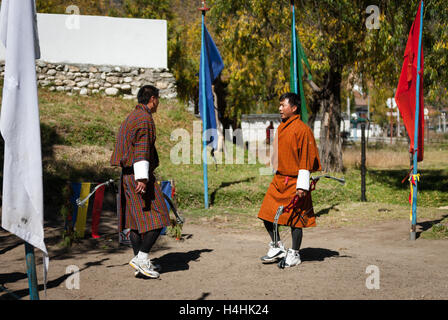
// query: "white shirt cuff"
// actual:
[[141, 170], [303, 180]]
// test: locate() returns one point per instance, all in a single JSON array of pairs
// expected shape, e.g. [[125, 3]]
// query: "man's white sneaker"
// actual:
[[292, 259], [274, 252], [144, 267]]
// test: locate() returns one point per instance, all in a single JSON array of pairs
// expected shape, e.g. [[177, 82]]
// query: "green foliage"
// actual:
[[382, 58], [148, 9], [438, 231], [175, 231]]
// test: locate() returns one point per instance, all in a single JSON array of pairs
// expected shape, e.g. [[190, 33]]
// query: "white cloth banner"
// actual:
[[22, 203]]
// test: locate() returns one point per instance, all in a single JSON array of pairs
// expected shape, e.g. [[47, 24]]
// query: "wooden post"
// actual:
[[363, 162]]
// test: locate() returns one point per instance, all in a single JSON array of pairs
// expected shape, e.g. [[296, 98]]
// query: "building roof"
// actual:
[[264, 116]]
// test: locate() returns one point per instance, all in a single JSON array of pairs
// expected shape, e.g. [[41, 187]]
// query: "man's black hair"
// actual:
[[146, 92], [293, 99]]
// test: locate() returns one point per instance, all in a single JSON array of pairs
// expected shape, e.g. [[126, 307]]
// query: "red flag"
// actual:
[[407, 87], [96, 211]]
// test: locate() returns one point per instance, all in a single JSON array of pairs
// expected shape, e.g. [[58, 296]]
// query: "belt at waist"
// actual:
[[127, 170], [285, 175]]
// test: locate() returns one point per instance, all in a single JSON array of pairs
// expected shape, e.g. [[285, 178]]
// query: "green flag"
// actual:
[[298, 57]]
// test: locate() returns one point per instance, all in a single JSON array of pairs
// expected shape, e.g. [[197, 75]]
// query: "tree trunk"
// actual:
[[330, 147], [315, 108]]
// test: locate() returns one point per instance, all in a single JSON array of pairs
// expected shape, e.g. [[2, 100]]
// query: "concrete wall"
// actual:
[[254, 128], [72, 39]]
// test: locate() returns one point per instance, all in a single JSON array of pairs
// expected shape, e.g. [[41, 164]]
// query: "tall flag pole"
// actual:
[[417, 112], [409, 94], [298, 57], [210, 67], [294, 75], [22, 201]]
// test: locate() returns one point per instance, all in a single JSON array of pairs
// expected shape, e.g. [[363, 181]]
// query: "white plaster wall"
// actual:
[[374, 131], [255, 130], [102, 40]]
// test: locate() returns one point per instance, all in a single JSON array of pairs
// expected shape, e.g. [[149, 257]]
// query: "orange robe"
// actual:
[[294, 149]]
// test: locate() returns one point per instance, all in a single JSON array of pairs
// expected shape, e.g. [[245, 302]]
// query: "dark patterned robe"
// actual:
[[135, 142]]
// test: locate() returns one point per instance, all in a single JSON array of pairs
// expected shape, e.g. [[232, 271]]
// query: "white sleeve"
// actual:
[[303, 180], [141, 170]]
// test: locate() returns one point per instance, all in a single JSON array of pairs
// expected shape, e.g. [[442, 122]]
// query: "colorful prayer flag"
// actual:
[[91, 207]]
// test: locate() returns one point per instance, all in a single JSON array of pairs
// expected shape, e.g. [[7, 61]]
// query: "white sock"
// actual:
[[143, 255]]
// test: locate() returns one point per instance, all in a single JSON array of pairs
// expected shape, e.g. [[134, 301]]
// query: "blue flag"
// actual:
[[210, 67]]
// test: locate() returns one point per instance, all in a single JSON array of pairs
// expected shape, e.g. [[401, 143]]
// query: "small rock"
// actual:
[[83, 92], [82, 84], [166, 75], [112, 79], [69, 83], [51, 72], [111, 91], [125, 88], [161, 85], [128, 97], [41, 63], [105, 69], [73, 69]]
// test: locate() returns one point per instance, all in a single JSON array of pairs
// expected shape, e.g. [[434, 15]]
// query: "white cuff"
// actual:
[[303, 180], [141, 170]]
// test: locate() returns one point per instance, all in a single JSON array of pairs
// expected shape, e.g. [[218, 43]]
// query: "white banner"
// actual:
[[22, 203]]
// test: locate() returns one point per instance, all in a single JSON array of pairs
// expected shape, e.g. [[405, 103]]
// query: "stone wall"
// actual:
[[106, 80]]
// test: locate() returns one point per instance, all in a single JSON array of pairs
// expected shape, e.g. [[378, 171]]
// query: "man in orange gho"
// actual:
[[295, 157]]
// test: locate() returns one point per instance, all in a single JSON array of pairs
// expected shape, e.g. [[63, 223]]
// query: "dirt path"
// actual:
[[214, 263]]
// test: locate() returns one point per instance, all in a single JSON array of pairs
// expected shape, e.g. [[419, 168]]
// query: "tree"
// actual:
[[255, 40], [253, 37]]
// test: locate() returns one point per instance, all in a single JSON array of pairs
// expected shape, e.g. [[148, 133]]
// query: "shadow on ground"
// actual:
[[426, 225], [431, 179], [19, 294], [318, 254], [178, 261], [226, 184]]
